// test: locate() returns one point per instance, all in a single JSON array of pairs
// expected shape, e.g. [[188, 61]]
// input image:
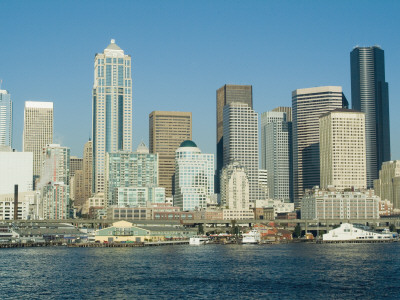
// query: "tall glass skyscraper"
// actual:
[[229, 93], [112, 108], [5, 119], [369, 94]]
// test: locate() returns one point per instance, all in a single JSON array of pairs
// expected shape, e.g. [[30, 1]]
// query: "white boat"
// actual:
[[252, 237], [198, 240], [350, 232]]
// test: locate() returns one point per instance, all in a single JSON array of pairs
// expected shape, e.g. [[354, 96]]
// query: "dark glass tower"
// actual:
[[227, 94], [369, 94]]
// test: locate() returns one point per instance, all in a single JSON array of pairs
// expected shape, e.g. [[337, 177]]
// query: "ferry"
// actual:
[[198, 240], [356, 232], [252, 237]]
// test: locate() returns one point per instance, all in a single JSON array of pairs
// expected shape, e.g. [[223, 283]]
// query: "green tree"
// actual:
[[297, 231], [200, 229], [392, 228]]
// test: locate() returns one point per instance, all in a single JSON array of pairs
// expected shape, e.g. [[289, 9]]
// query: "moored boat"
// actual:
[[252, 237]]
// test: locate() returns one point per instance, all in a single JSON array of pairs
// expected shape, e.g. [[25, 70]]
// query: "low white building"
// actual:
[[28, 208], [237, 214], [350, 232], [321, 204]]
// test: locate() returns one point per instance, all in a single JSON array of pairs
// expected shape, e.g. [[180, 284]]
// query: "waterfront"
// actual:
[[289, 271]]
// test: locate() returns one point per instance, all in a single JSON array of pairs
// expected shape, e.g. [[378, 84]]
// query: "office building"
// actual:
[[76, 163], [387, 186], [234, 187], [87, 167], [112, 108], [167, 130], [6, 119], [227, 94], [307, 106], [369, 94], [276, 139], [323, 204], [140, 196], [342, 149], [130, 170], [240, 142], [16, 168], [54, 182], [285, 109], [194, 177], [38, 131]]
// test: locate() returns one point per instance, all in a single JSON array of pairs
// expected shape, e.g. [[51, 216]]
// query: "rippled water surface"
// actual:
[[290, 271]]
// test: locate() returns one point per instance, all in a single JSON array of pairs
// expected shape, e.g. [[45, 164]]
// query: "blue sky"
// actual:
[[183, 51]]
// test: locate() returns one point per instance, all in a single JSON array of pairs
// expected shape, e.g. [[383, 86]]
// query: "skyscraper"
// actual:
[[194, 176], [342, 149], [87, 170], [6, 118], [308, 104], [276, 139], [38, 131], [240, 142], [369, 94], [112, 108], [167, 130], [229, 93]]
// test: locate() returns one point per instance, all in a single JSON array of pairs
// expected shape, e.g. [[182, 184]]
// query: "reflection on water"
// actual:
[[290, 271]]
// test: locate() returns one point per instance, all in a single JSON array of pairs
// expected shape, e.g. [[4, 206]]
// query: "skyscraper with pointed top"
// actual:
[[112, 108]]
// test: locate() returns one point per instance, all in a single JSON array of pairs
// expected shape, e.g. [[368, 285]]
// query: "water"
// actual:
[[290, 271]]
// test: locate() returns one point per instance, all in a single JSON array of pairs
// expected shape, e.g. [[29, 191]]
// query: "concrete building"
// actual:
[[308, 104], [28, 206], [54, 182], [77, 189], [320, 204], [87, 167], [369, 94], [194, 177], [130, 170], [227, 94], [140, 196], [16, 168], [6, 119], [234, 187], [387, 186], [76, 163], [38, 131], [167, 130], [112, 108], [240, 142], [276, 139], [287, 110], [342, 149]]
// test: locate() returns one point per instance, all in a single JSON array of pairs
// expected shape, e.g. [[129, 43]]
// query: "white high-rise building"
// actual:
[[38, 131], [16, 168], [275, 153], [194, 177], [6, 118], [240, 142], [112, 108], [342, 149], [307, 105], [234, 187]]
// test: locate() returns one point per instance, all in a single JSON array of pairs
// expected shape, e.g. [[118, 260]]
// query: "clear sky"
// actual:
[[183, 51]]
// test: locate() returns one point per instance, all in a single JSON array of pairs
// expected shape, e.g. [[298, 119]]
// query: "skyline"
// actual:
[[179, 66]]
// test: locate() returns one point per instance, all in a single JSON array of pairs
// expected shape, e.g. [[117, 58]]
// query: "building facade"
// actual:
[[229, 93], [387, 186], [319, 204], [6, 119], [276, 139], [234, 187], [369, 94], [130, 170], [38, 131], [167, 130], [112, 108], [140, 196], [16, 168], [87, 167], [240, 142], [194, 177], [55, 201], [342, 149], [307, 105]]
